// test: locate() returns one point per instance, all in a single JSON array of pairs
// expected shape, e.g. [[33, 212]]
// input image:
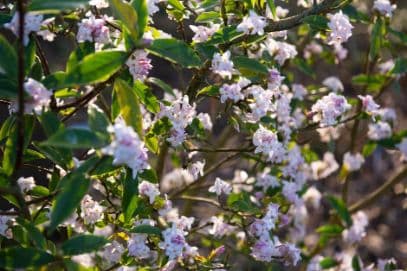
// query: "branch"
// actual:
[[369, 199]]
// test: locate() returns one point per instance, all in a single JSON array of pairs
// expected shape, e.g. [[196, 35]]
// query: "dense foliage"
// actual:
[[118, 193]]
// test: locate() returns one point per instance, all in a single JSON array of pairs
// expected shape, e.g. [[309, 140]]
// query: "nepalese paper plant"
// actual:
[[147, 183]]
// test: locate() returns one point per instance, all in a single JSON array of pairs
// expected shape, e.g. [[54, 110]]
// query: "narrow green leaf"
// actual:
[[209, 90], [83, 49], [330, 229], [328, 262], [126, 13], [146, 97], [83, 244], [341, 209], [34, 233], [52, 6], [164, 86], [18, 257], [317, 22], [8, 60], [130, 196], [272, 7], [94, 68], [73, 187], [175, 51], [208, 16], [75, 138], [147, 229], [376, 38], [249, 65], [142, 15], [8, 89], [129, 105], [97, 119], [400, 66]]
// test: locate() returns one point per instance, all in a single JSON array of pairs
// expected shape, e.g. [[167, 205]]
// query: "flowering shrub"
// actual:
[[145, 184]]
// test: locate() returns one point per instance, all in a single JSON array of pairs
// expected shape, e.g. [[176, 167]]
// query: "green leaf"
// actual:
[[9, 155], [18, 257], [400, 66], [142, 15], [34, 233], [126, 13], [328, 262], [73, 188], [146, 97], [369, 148], [8, 60], [175, 51], [272, 7], [225, 35], [355, 15], [8, 89], [330, 229], [149, 175], [400, 35], [373, 82], [209, 91], [304, 67], [356, 263], [206, 17], [249, 65], [341, 209], [94, 68], [176, 4], [83, 244], [147, 229], [75, 138], [164, 86], [97, 120], [130, 196], [129, 105], [83, 49], [317, 22], [241, 202], [52, 6], [50, 123], [376, 38]]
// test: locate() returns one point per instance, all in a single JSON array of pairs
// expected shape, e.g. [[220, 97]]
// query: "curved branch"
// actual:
[[369, 199]]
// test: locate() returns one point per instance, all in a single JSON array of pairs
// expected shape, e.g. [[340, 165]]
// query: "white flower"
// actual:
[[358, 229], [174, 242], [312, 48], [220, 228], [32, 23], [314, 263], [313, 196], [252, 24], [265, 180], [203, 33], [137, 246], [267, 143], [196, 169], [274, 79], [206, 121], [261, 227], [91, 210], [290, 192], [38, 98], [384, 7], [126, 147], [265, 249], [333, 83], [232, 92], [387, 114], [113, 252], [340, 52], [149, 190], [139, 65], [369, 105], [220, 187], [402, 146], [329, 108], [152, 6], [85, 260], [379, 130], [177, 178], [299, 91], [262, 102], [26, 184], [281, 51], [181, 114], [386, 66], [5, 225], [324, 168], [280, 13], [222, 65], [94, 30], [99, 3], [341, 29], [353, 162]]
